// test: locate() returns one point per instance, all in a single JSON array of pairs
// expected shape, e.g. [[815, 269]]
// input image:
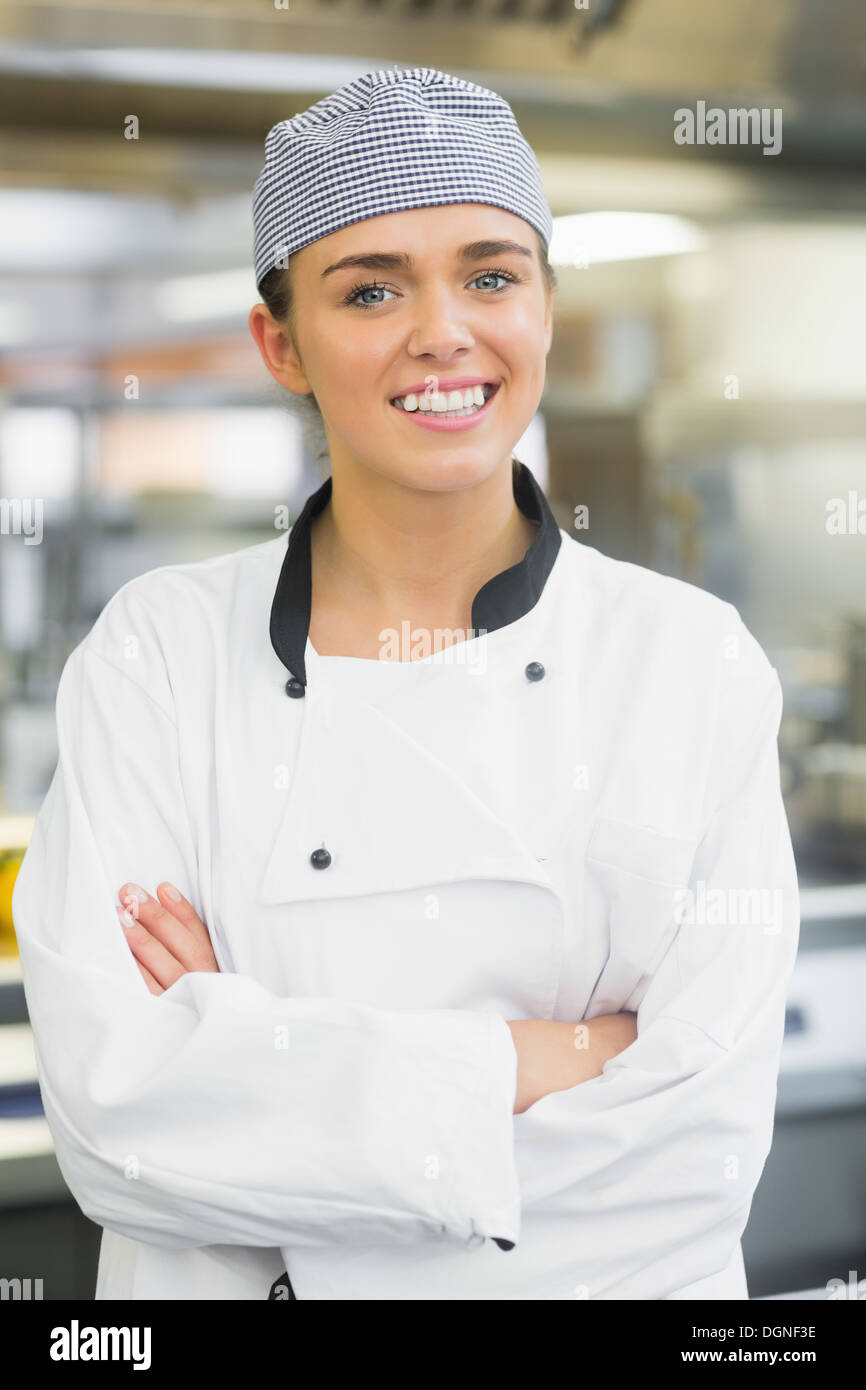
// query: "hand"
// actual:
[[553, 1056], [167, 938]]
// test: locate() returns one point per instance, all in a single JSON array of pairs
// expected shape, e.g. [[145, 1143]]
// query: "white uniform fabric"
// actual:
[[337, 1102]]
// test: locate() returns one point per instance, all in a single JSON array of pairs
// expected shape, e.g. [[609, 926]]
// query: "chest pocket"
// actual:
[[630, 899]]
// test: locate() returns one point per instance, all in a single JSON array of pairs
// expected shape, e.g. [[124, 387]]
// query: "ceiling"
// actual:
[[208, 79], [594, 92]]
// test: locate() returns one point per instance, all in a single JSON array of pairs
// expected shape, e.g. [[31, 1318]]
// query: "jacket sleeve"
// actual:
[[219, 1112], [655, 1162]]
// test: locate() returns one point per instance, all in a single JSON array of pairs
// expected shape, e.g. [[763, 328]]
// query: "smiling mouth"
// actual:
[[435, 403]]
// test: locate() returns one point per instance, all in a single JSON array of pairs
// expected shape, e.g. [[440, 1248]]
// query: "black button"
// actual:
[[320, 859], [534, 671], [504, 1244], [295, 688]]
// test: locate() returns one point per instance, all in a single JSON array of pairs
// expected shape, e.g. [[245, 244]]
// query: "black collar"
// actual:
[[502, 600]]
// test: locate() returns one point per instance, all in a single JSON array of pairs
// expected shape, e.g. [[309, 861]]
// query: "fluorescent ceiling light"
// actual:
[[589, 238], [188, 67], [219, 295], [72, 230]]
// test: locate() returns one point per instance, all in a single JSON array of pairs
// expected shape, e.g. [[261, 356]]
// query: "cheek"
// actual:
[[351, 364], [518, 340]]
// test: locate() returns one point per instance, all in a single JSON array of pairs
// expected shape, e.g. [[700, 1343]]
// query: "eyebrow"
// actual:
[[401, 260]]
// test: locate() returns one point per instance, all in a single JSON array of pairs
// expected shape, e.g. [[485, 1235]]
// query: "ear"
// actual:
[[279, 353]]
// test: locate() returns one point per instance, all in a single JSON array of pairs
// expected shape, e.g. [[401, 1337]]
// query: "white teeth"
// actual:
[[452, 402]]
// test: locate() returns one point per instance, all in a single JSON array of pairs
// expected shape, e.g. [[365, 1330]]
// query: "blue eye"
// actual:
[[357, 290], [496, 275], [354, 296]]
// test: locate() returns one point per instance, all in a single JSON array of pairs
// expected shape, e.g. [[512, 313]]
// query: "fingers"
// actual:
[[153, 985], [175, 925], [151, 955], [161, 924], [185, 913], [161, 940]]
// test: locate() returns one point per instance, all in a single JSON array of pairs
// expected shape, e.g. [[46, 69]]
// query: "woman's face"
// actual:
[[421, 298]]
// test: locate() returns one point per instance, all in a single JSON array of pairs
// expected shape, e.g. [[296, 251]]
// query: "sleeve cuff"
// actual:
[[489, 1193]]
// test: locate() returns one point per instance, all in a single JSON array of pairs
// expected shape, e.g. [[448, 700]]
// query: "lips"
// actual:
[[465, 418]]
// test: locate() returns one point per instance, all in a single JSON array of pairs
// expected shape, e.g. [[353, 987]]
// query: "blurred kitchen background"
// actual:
[[705, 399]]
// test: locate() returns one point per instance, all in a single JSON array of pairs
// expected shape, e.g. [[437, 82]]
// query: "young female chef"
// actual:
[[428, 802]]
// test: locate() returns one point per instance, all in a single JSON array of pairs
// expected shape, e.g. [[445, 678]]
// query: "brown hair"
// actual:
[[275, 289]]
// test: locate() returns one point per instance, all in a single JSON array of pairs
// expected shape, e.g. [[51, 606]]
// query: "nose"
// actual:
[[440, 328]]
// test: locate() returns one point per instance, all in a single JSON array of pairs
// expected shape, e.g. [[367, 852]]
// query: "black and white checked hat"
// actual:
[[388, 141]]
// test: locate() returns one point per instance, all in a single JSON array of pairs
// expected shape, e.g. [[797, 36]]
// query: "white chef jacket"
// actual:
[[513, 828]]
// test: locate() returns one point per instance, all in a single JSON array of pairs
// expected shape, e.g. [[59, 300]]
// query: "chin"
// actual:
[[454, 470]]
